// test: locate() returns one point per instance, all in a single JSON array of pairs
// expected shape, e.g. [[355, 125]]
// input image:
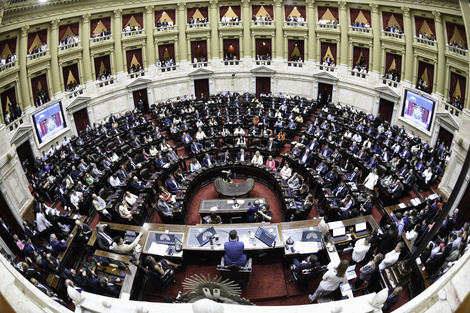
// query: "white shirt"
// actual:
[[389, 259], [114, 181], [257, 160], [42, 222], [360, 250], [75, 198]]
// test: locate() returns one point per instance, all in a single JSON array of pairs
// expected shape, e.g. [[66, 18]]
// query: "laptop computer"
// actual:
[[204, 236], [165, 238], [265, 236], [361, 229], [311, 235], [339, 234]]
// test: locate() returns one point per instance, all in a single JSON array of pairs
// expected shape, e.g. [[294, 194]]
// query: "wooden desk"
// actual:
[[243, 230], [295, 230], [225, 189], [153, 229], [225, 207]]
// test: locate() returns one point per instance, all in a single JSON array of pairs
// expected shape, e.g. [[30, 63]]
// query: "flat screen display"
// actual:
[[418, 110], [49, 122]]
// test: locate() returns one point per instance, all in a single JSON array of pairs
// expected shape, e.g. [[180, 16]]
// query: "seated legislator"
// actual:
[[123, 210], [208, 160], [271, 145], [57, 245], [243, 156], [234, 250], [120, 247], [114, 181], [172, 184], [271, 163], [105, 242], [194, 165], [161, 266], [225, 158], [322, 169], [306, 158], [138, 185], [165, 208], [395, 189], [100, 205], [310, 262], [257, 159]]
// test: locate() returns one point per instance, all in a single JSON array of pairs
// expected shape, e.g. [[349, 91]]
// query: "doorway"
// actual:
[[26, 156], [386, 110], [326, 92], [141, 96], [81, 120], [201, 88], [263, 85], [445, 137]]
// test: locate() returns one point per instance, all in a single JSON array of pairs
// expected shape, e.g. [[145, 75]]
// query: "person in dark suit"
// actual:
[[271, 145], [105, 242], [234, 250], [392, 299], [225, 158], [122, 173], [57, 245], [138, 185], [208, 160], [395, 189], [306, 158], [172, 184], [310, 262], [196, 147], [131, 164], [159, 162], [340, 191], [243, 156], [322, 169], [366, 207]]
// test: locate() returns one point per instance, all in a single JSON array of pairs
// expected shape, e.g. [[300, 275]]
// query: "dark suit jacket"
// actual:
[[234, 253], [390, 302], [246, 156], [206, 162], [223, 158]]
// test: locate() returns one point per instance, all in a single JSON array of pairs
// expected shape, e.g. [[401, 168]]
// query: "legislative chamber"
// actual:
[[202, 155]]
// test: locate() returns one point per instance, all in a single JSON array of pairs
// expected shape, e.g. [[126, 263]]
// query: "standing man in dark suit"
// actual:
[[234, 250], [392, 299], [366, 207]]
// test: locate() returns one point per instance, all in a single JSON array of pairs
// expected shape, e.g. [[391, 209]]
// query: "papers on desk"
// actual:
[[351, 272], [306, 247], [157, 249], [402, 205], [433, 196], [353, 186], [418, 261], [346, 290], [334, 225], [415, 201]]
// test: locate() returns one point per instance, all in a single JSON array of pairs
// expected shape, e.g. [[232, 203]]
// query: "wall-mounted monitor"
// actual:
[[49, 123], [418, 110]]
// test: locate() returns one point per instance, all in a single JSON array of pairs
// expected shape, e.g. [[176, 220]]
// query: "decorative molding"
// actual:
[[117, 13], [149, 9], [374, 7], [86, 18], [263, 70], [310, 3], [246, 3], [437, 16], [386, 90], [278, 3], [214, 4], [24, 30], [55, 24], [325, 76], [342, 5], [181, 6], [406, 11]]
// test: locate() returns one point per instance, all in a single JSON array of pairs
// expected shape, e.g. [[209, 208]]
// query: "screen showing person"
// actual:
[[418, 110], [49, 122]]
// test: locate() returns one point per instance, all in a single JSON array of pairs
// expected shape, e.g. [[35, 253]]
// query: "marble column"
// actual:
[[376, 31], [117, 25], [149, 27], [182, 31], [214, 24], [441, 38], [22, 61], [246, 20], [344, 27], [407, 62], [53, 44], [311, 24], [279, 23], [86, 48]]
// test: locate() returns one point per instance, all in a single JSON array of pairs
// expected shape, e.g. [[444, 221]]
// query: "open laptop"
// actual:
[[165, 238], [339, 234], [204, 236], [311, 235], [361, 229], [265, 236]]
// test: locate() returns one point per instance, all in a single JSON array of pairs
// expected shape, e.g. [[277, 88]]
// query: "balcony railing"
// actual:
[[69, 46], [16, 123], [263, 62], [105, 82], [169, 68], [230, 24], [296, 24], [8, 66], [200, 64], [73, 94], [136, 74], [428, 42], [456, 50], [133, 33], [452, 109], [327, 68], [390, 82], [231, 62], [393, 35], [165, 28], [262, 23], [100, 39], [38, 55], [295, 64], [358, 74], [198, 25], [361, 29], [328, 26]]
